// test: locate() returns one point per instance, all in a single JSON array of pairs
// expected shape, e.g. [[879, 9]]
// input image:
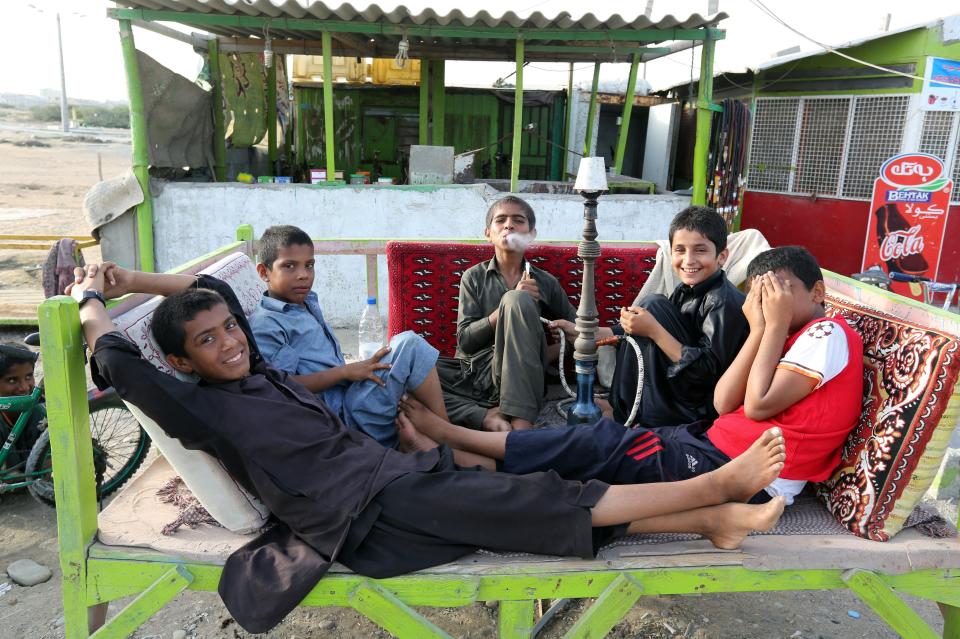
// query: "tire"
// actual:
[[120, 447]]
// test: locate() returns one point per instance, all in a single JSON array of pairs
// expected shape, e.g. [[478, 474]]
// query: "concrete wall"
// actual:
[[193, 219], [577, 129]]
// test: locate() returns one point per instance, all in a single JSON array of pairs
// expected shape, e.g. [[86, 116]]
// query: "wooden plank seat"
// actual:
[[95, 572]]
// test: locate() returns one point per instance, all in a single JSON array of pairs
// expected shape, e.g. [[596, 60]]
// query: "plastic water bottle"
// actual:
[[371, 329]]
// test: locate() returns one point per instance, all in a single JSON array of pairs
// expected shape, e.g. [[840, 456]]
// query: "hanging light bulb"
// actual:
[[267, 48], [403, 51]]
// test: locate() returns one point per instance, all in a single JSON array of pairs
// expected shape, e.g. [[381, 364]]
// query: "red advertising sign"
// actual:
[[908, 217]]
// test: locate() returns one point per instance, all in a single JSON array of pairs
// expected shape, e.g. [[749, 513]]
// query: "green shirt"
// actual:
[[481, 288]]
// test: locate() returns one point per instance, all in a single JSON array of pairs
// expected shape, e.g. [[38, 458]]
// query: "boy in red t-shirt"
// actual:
[[798, 371]]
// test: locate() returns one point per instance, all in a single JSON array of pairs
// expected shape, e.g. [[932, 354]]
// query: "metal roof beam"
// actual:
[[495, 33], [195, 40], [549, 48]]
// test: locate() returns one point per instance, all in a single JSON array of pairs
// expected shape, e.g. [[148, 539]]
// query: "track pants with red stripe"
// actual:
[[613, 453]]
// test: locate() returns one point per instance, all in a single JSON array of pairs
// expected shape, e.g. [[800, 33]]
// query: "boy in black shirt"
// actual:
[[341, 496], [687, 340]]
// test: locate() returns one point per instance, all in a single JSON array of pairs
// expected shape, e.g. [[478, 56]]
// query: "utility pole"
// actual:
[[64, 113]]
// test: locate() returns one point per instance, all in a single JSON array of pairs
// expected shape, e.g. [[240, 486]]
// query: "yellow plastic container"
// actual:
[[386, 71], [309, 68]]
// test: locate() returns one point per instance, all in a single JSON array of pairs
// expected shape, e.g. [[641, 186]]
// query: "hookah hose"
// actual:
[[607, 341]]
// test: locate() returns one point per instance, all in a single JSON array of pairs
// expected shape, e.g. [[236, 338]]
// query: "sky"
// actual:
[[94, 68]]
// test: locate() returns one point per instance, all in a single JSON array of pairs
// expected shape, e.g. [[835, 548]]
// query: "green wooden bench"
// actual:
[[94, 573]]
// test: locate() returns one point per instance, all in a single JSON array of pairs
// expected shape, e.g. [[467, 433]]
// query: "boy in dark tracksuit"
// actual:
[[687, 340]]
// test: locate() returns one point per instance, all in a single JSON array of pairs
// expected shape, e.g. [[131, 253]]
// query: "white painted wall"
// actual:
[[193, 219], [577, 130]]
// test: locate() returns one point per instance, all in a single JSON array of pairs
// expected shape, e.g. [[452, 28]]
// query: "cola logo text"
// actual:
[[899, 244]]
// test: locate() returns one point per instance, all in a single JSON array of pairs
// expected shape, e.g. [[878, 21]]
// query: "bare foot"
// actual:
[[754, 469], [495, 421], [424, 420], [412, 440], [728, 525]]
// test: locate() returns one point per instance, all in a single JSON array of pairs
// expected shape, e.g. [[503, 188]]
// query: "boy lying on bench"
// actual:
[[337, 493], [798, 371]]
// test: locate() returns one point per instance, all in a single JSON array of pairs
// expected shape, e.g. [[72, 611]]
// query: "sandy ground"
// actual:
[[41, 192]]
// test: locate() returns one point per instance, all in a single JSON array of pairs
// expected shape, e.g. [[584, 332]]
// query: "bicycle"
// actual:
[[877, 277], [120, 445]]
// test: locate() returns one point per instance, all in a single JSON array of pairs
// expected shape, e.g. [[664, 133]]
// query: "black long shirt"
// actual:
[[284, 446]]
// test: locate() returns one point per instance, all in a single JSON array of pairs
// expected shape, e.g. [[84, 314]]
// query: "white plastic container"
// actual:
[[371, 329]]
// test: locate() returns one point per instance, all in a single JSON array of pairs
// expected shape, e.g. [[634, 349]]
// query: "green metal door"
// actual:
[[539, 160]]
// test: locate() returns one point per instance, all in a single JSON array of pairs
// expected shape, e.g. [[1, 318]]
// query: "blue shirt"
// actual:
[[297, 339]]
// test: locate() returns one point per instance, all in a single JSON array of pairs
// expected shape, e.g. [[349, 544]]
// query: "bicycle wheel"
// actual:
[[120, 446], [118, 437]]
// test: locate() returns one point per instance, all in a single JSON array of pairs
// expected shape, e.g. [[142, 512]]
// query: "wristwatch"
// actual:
[[91, 294]]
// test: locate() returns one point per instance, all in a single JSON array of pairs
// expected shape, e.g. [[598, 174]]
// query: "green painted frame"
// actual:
[[94, 574], [434, 73]]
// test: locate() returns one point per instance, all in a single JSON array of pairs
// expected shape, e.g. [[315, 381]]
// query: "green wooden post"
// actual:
[[951, 621], [327, 45], [219, 133], [141, 157], [701, 148], [625, 118], [567, 134], [888, 606], [608, 609], [515, 619], [439, 101], [272, 115], [148, 603], [424, 137], [73, 484], [517, 120], [383, 608], [245, 233], [592, 111]]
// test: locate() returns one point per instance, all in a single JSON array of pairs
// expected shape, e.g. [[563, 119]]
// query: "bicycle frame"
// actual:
[[25, 405]]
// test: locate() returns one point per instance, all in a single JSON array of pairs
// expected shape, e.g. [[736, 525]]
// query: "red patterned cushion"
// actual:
[[425, 280], [893, 453]]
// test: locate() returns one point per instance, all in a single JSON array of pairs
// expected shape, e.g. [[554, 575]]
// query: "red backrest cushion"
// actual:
[[910, 401], [425, 280]]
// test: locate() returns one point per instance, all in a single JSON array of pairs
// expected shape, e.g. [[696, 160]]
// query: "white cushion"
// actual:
[[225, 500]]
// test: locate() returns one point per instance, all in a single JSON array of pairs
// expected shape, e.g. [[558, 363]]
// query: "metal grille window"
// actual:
[[820, 145], [875, 135], [935, 137], [836, 147], [771, 160], [955, 195], [938, 126]]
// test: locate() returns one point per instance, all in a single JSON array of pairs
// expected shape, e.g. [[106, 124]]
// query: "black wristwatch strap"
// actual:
[[92, 295]]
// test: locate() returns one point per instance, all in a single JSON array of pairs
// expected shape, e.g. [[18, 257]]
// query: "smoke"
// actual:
[[519, 241]]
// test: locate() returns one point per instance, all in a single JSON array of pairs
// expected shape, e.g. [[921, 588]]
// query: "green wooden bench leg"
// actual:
[[148, 603], [888, 606], [384, 609], [609, 608], [516, 619], [951, 621]]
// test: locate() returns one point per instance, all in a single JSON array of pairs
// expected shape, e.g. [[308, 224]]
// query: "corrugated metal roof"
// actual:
[[428, 17], [446, 43]]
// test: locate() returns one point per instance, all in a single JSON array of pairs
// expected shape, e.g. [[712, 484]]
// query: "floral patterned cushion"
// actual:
[[909, 411]]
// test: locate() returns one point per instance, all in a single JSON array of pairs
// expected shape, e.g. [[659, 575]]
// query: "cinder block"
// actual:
[[431, 164]]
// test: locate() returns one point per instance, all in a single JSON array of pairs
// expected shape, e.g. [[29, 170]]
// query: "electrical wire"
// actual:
[[829, 49]]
